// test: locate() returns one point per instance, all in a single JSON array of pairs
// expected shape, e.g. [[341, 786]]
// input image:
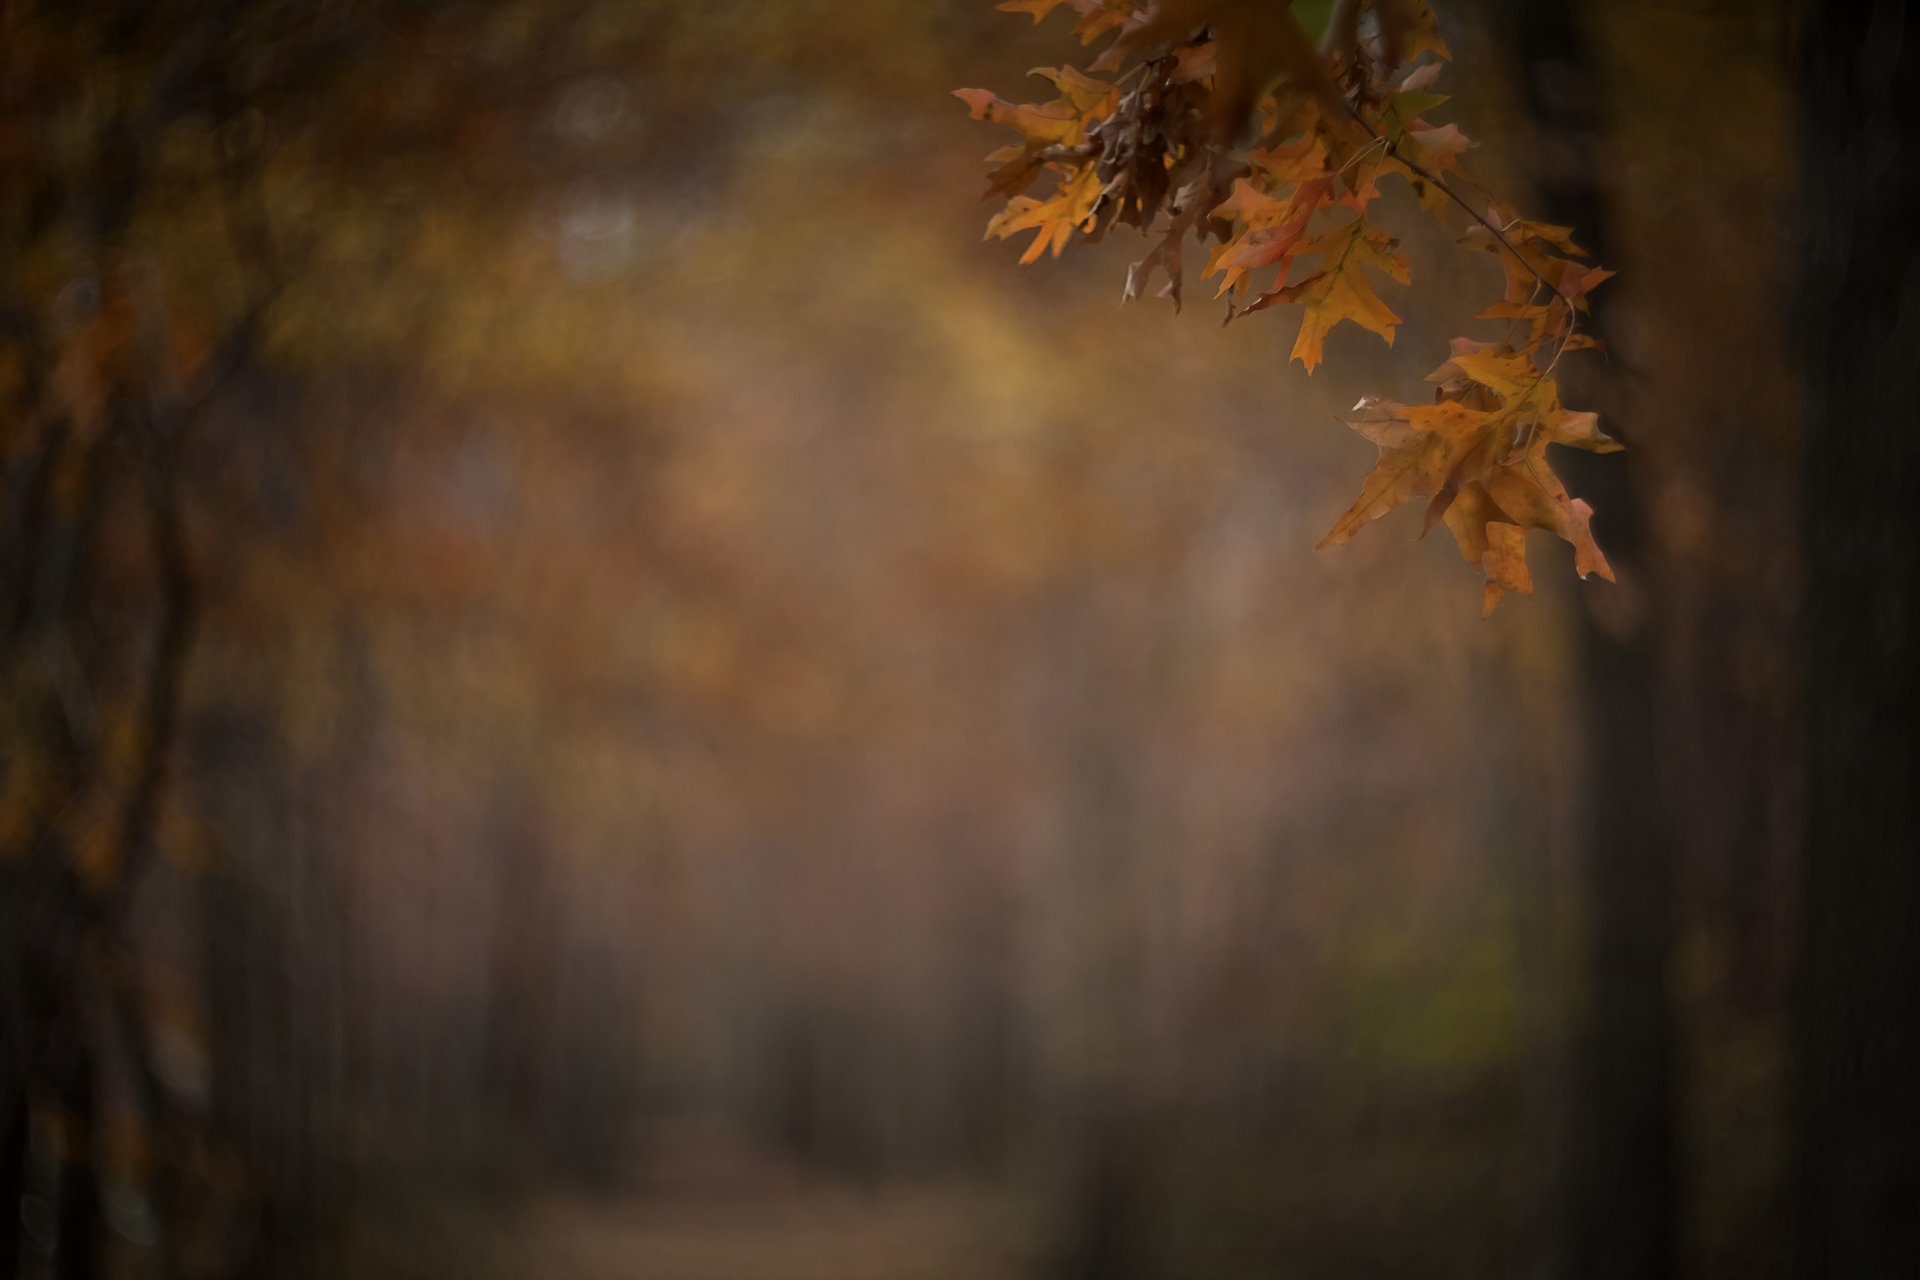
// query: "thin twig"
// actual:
[[1422, 172]]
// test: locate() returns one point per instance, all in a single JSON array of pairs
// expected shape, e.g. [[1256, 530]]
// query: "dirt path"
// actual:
[[921, 1234], [706, 1215]]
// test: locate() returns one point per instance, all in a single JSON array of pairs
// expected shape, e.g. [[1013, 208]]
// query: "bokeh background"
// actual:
[[595, 687]]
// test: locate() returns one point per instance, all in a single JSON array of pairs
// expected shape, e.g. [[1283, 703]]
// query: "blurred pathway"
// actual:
[[696, 1214]]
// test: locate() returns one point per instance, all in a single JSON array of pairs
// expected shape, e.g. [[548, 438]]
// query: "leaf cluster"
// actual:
[[1227, 127]]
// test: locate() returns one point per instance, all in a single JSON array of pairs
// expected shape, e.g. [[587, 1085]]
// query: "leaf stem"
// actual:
[[1421, 171]]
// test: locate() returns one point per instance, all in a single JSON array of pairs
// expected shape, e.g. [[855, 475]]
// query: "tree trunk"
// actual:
[[1858, 998], [1617, 1213], [77, 1232], [13, 1180]]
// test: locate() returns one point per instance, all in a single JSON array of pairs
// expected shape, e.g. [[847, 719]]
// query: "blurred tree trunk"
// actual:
[[77, 1234], [1618, 1164], [1859, 979], [526, 932], [1103, 1234], [13, 1181]]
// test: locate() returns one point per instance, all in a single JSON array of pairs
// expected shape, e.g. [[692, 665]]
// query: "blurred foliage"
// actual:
[[566, 620]]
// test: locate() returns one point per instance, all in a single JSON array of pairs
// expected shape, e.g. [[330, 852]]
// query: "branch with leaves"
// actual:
[[1229, 121]]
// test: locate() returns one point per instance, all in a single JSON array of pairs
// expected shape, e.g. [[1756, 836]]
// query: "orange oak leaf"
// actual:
[[1096, 16], [1435, 148], [1087, 95], [1421, 446], [1533, 498], [1272, 228], [1055, 218], [1159, 149], [1498, 368], [1491, 543], [1340, 290], [1038, 8], [1293, 160], [1533, 254], [1481, 468], [1049, 124]]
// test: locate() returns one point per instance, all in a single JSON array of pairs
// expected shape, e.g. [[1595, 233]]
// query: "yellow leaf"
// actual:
[[1491, 543], [1340, 290], [1056, 218], [1499, 368], [1054, 123], [1421, 446]]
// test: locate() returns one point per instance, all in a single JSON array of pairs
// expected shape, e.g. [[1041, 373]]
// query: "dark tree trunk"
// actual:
[[77, 1233], [1858, 1050], [13, 1180], [1617, 1212]]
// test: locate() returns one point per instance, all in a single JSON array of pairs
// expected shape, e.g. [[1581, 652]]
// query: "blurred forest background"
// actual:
[[593, 686]]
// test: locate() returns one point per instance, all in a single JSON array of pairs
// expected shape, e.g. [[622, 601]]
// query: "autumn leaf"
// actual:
[[1491, 543], [1514, 475], [1088, 96], [1532, 497], [1258, 247], [1412, 98], [1294, 159], [1498, 368], [1533, 254], [1056, 218], [1525, 494], [1193, 62], [1096, 16], [1052, 124], [1340, 290], [1558, 425], [1291, 112], [1146, 148], [1411, 30], [1435, 148], [1273, 228], [1403, 30], [1165, 254], [1039, 9], [1256, 42], [1330, 124], [1481, 467], [1420, 447]]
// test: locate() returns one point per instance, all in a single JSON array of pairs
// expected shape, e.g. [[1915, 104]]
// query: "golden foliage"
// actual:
[[1146, 135]]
